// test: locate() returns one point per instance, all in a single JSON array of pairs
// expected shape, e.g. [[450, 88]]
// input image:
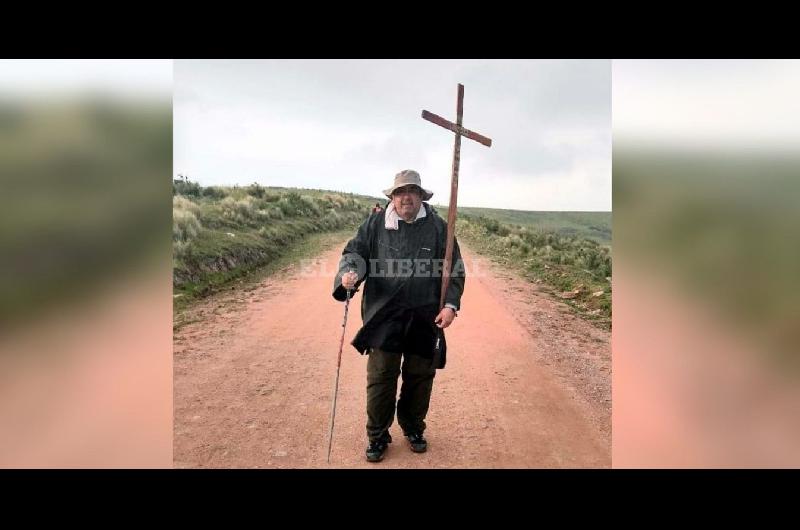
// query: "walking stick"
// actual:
[[336, 386]]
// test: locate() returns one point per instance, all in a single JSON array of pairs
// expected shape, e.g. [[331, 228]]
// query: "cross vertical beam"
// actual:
[[459, 131]]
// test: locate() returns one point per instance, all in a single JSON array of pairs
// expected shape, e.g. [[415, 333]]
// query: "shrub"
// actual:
[[255, 190], [185, 225], [240, 211], [214, 192], [179, 202], [184, 186]]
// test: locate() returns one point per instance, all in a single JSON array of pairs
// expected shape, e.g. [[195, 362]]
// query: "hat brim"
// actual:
[[426, 194]]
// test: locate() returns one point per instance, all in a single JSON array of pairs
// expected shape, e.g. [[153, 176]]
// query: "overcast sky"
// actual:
[[130, 78], [700, 103], [350, 125]]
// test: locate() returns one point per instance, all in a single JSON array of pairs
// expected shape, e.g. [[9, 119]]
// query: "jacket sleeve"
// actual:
[[355, 257], [457, 278]]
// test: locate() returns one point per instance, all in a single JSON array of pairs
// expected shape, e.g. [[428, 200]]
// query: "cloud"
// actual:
[[719, 102], [357, 122]]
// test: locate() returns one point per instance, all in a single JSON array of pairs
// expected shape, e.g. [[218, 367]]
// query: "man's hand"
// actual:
[[349, 280], [445, 317]]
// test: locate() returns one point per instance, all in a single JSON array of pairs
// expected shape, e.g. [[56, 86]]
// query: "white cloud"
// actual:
[[354, 124], [716, 102], [127, 77]]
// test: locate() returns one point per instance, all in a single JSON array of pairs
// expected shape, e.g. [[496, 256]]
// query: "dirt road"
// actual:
[[527, 383]]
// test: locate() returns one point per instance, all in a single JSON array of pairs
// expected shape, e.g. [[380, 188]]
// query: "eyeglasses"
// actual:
[[407, 189]]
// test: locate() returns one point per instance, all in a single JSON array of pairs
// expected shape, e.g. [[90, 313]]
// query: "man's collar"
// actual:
[[420, 213], [392, 218]]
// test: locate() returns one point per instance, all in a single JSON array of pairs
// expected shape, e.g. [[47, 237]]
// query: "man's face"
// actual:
[[407, 201]]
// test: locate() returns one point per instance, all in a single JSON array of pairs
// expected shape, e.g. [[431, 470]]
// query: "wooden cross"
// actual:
[[451, 210]]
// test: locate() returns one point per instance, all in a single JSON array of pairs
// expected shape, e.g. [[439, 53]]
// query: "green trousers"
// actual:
[[383, 369]]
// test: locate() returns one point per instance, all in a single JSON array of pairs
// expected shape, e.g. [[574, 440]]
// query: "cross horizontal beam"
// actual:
[[441, 122]]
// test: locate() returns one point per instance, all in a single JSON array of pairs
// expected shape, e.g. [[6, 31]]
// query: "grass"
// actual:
[[723, 226], [576, 270], [82, 200], [222, 234], [589, 225]]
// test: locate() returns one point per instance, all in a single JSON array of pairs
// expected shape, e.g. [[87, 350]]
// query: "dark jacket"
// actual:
[[403, 286]]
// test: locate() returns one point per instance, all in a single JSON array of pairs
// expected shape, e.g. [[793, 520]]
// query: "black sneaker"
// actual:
[[377, 448], [418, 443]]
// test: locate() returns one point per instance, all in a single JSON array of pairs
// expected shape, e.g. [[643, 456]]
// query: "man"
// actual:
[[377, 208], [399, 253]]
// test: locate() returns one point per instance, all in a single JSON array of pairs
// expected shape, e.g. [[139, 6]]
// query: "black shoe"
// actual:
[[418, 443], [377, 448]]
